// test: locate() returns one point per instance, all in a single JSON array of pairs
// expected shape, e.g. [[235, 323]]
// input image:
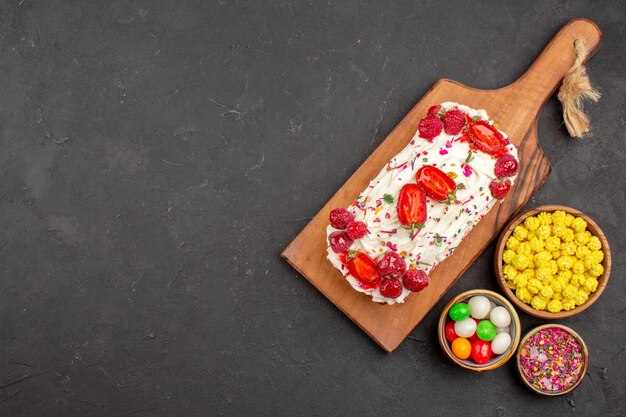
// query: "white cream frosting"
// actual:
[[446, 225]]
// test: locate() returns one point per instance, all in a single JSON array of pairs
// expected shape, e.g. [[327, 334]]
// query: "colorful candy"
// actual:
[[465, 328], [479, 306], [450, 334], [461, 348], [481, 352], [500, 343], [551, 359], [459, 312], [486, 330], [473, 331], [500, 317]]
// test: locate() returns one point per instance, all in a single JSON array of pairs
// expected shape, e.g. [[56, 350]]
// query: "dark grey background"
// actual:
[[156, 157]]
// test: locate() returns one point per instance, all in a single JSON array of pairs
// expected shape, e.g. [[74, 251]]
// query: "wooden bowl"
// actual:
[[514, 330], [602, 280], [583, 372]]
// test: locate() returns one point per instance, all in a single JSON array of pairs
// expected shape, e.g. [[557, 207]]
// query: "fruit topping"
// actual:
[[411, 206], [339, 241], [415, 280], [487, 138], [454, 121], [434, 110], [429, 127], [391, 288], [363, 268], [391, 265], [340, 218], [506, 166], [436, 184], [499, 189], [357, 230]]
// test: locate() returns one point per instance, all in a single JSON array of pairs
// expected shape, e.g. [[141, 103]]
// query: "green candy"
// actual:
[[459, 312], [486, 331]]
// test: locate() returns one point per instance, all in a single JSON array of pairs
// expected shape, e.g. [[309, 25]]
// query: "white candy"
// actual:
[[500, 343], [479, 306], [500, 317], [503, 329], [465, 327]]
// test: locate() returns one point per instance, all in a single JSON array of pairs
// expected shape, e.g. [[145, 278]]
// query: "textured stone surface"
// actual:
[[157, 156]]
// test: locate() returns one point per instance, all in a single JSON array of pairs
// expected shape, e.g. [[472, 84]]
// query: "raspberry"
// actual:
[[340, 218], [339, 241], [391, 265], [415, 280], [434, 110], [391, 288], [454, 121], [506, 166], [357, 230], [499, 189], [429, 127]]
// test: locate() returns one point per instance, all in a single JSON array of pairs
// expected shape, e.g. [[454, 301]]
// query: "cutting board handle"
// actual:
[[544, 76]]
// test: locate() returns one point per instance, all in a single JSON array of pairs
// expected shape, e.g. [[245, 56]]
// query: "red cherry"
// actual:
[[340, 218], [450, 333], [391, 265], [415, 280], [357, 230], [391, 288], [481, 351], [339, 241]]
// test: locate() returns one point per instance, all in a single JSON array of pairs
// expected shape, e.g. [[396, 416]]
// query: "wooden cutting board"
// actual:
[[515, 108]]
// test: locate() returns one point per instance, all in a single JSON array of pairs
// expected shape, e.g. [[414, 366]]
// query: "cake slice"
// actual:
[[422, 203]]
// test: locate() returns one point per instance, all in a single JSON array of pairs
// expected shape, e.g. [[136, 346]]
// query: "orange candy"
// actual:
[[461, 347]]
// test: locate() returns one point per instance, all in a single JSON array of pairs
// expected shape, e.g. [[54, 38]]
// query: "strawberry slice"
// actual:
[[364, 269], [486, 138], [412, 207], [436, 184]]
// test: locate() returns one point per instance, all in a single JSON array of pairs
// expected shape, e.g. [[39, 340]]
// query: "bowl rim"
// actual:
[[526, 308], [448, 350], [578, 338]]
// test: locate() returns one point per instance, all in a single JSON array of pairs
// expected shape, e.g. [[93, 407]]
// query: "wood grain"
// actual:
[[602, 280], [515, 108]]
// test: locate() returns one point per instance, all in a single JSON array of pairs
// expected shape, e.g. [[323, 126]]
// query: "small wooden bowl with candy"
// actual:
[[552, 359], [479, 330], [536, 304]]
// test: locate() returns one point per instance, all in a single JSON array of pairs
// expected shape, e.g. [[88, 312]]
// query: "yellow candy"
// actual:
[[523, 249], [543, 231], [554, 267], [565, 263], [568, 248], [553, 243], [532, 223], [581, 251], [543, 274], [508, 255], [578, 267], [568, 304], [538, 303], [546, 292], [558, 230], [582, 238], [536, 244], [581, 297], [569, 291], [596, 270], [558, 218], [509, 271], [534, 286], [594, 243], [579, 224], [522, 262], [578, 279], [542, 259], [555, 306], [512, 242], [520, 232], [523, 294], [569, 219], [568, 236], [591, 284], [545, 218], [566, 275]]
